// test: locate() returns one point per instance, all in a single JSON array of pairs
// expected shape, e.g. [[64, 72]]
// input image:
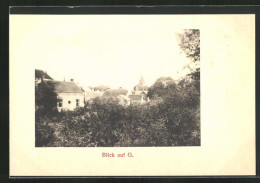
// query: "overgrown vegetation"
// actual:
[[171, 118], [172, 122]]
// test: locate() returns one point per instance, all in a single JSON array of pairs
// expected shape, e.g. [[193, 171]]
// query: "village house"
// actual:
[[139, 93], [136, 99], [90, 93], [70, 94]]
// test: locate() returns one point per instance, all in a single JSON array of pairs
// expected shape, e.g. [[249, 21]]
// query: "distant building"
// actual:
[[124, 100], [89, 95], [141, 86], [136, 99], [89, 92], [139, 93], [71, 95]]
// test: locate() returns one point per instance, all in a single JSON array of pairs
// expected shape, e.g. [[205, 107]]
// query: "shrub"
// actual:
[[44, 134], [173, 121]]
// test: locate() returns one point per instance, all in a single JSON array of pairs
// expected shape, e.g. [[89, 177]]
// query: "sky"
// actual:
[[115, 50]]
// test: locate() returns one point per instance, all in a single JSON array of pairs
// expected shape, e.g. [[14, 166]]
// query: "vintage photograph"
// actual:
[[129, 87], [113, 94]]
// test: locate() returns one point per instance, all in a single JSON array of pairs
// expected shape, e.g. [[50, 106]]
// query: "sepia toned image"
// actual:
[[132, 95], [147, 99]]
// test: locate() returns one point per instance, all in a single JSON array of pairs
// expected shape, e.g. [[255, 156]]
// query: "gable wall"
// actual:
[[66, 97]]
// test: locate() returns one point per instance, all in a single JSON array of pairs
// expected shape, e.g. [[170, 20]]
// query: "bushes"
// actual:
[[174, 121], [44, 134], [45, 99]]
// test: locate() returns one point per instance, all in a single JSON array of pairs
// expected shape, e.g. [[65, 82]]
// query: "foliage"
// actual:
[[44, 134], [115, 92], [105, 123], [189, 43], [45, 106], [45, 99], [162, 87]]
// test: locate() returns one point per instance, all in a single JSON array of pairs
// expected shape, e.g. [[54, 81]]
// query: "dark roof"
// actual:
[[40, 74], [135, 97], [64, 86]]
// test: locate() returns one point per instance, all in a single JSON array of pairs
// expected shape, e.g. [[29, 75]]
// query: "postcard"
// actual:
[[132, 95]]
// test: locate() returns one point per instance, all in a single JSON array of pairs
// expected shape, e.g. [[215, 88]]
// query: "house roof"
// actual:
[[40, 74], [135, 97], [64, 86], [141, 92], [124, 97]]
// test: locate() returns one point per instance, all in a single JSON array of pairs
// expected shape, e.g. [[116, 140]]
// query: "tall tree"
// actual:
[[45, 99], [189, 42], [162, 87]]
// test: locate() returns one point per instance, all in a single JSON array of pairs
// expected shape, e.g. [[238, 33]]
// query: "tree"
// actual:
[[45, 106], [162, 87], [189, 42], [45, 99], [115, 92]]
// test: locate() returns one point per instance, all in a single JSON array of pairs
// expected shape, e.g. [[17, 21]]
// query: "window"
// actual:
[[69, 102], [77, 102], [60, 103]]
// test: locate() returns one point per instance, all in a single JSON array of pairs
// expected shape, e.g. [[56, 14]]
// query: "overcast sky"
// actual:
[[114, 50]]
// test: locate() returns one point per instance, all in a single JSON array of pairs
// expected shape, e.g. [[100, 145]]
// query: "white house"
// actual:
[[70, 94]]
